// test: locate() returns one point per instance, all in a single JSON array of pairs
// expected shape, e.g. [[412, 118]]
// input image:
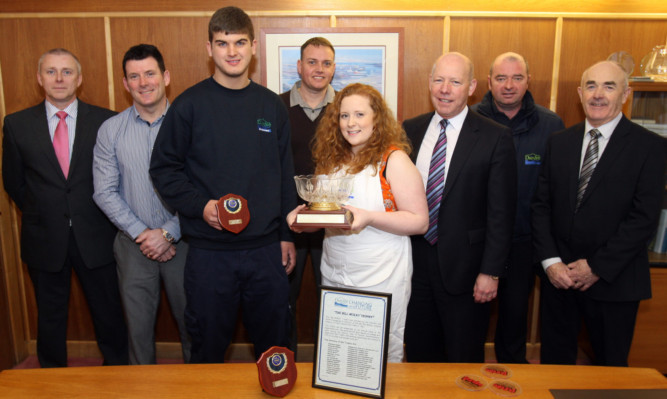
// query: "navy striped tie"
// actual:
[[587, 168], [436, 183]]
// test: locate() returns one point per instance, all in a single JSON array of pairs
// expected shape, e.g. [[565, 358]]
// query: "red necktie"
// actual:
[[61, 142]]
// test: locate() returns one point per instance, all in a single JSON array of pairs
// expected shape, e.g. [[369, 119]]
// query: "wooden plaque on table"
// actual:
[[277, 371]]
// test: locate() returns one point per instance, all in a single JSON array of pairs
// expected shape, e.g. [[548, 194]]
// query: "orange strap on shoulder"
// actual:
[[387, 195]]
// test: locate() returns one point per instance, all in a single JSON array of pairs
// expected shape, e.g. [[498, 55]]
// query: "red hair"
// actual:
[[330, 149]]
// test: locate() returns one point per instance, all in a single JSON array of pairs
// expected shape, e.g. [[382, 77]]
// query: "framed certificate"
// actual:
[[352, 341]]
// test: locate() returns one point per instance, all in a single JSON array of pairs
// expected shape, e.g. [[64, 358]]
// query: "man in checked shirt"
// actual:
[[148, 246]]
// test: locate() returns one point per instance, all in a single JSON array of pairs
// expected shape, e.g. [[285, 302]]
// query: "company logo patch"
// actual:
[[532, 159], [263, 125]]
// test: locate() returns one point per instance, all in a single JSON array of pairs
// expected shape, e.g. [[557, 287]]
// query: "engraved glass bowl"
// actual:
[[324, 193]]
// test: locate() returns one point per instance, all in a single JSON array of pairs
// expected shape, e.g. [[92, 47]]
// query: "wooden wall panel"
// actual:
[[483, 39], [6, 341], [650, 327], [25, 40], [645, 6], [422, 44], [588, 41]]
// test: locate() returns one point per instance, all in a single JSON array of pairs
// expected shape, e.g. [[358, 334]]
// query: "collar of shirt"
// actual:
[[295, 99], [608, 128], [605, 130], [455, 122], [52, 120], [137, 117], [71, 110], [454, 126]]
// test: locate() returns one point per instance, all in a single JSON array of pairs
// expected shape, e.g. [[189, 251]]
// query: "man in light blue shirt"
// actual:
[[148, 246]]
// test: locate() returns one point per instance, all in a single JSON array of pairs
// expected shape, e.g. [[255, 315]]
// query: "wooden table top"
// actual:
[[239, 380]]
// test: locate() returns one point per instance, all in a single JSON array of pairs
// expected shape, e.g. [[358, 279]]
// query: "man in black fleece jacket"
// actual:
[[228, 135], [509, 103]]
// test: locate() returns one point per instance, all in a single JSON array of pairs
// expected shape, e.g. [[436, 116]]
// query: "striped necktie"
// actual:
[[436, 183], [590, 161]]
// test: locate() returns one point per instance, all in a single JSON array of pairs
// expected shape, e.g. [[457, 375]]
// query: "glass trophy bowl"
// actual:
[[325, 195]]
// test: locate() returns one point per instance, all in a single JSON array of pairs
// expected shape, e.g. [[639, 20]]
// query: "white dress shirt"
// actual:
[[453, 131]]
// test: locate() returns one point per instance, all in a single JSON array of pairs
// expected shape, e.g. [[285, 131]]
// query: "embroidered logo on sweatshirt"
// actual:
[[263, 125], [532, 159]]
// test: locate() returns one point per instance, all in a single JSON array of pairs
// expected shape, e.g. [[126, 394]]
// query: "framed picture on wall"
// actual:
[[373, 56]]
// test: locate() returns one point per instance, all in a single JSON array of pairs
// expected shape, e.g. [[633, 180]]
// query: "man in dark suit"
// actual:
[[458, 261], [594, 212], [47, 171]]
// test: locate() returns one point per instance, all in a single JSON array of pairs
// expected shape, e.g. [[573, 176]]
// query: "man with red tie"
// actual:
[[47, 171]]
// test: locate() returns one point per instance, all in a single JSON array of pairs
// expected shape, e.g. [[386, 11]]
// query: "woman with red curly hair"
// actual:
[[359, 136]]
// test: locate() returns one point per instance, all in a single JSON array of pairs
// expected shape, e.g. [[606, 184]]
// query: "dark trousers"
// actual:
[[100, 287], [610, 326], [218, 282], [441, 327], [306, 243], [513, 295]]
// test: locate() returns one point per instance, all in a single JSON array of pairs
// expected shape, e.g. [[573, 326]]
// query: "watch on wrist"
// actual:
[[495, 277], [167, 236]]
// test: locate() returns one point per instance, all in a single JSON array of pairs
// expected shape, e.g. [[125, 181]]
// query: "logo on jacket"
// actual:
[[532, 159], [263, 125]]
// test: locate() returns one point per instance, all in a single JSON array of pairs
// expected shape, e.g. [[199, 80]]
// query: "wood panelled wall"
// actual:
[[557, 46], [340, 6]]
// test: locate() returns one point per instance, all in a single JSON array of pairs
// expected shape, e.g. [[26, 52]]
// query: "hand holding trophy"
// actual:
[[325, 195]]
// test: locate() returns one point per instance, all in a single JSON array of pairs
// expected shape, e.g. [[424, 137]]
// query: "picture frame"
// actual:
[[366, 55], [352, 342]]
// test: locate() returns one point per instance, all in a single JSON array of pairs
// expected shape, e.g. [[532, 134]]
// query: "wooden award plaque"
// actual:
[[277, 371]]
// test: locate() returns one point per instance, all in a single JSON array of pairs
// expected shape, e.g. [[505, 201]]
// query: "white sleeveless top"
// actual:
[[368, 257]]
